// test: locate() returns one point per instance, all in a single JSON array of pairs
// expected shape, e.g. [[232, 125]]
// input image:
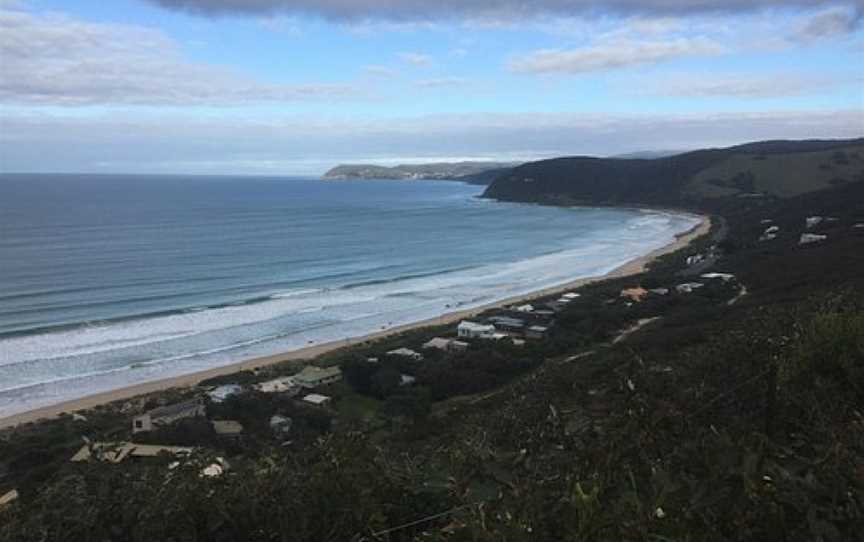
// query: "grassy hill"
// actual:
[[775, 168]]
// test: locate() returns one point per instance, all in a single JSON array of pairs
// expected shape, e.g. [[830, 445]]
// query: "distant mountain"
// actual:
[[473, 172], [766, 168], [644, 155]]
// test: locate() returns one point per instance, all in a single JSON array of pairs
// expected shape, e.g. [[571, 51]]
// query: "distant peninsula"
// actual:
[[471, 172]]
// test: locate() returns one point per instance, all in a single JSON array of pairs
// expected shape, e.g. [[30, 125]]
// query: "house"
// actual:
[[446, 345], [8, 497], [634, 294], [858, 226], [696, 258], [280, 425], [725, 277], [215, 469], [406, 380], [166, 415], [505, 323], [524, 308], [312, 376], [228, 428], [767, 237], [219, 394], [809, 238], [688, 287], [536, 332], [116, 452], [545, 313], [766, 221], [659, 291], [473, 330], [772, 229], [812, 221], [571, 296], [406, 353], [317, 399], [285, 384]]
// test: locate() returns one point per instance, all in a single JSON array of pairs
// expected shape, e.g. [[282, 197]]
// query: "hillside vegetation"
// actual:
[[472, 172], [779, 168]]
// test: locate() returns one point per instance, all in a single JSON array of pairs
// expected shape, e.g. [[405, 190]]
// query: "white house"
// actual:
[[812, 221], [406, 353], [167, 415], [312, 376], [571, 295], [725, 277], [773, 229], [317, 399], [808, 238], [221, 393], [446, 345], [406, 380], [473, 330], [688, 287], [285, 384], [693, 260], [524, 308]]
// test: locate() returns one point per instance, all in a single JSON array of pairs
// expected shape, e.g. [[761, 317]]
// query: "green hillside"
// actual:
[[782, 175], [777, 168]]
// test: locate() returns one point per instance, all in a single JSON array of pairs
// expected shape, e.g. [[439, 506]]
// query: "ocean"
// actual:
[[111, 280]]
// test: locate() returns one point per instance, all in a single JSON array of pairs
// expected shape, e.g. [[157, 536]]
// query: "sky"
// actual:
[[281, 87]]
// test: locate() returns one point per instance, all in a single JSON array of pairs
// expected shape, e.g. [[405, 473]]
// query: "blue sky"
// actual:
[[296, 86]]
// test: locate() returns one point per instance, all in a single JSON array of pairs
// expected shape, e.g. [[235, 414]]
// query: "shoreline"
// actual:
[[632, 267]]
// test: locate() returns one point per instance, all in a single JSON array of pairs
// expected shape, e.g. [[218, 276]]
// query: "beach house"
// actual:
[[536, 332], [508, 324], [166, 415], [285, 384], [317, 399], [312, 376], [230, 429], [636, 294], [473, 330], [117, 452], [220, 393], [446, 345], [406, 353]]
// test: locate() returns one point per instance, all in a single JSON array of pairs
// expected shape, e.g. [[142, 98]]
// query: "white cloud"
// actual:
[[441, 82], [51, 59], [769, 85], [377, 70], [612, 54], [176, 143], [415, 59]]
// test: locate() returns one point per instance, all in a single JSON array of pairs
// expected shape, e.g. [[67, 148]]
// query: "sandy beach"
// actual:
[[632, 267]]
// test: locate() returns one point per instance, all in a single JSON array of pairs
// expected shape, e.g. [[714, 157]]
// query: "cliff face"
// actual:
[[771, 168], [473, 172]]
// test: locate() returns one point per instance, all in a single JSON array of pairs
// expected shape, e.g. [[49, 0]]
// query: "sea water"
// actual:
[[111, 280]]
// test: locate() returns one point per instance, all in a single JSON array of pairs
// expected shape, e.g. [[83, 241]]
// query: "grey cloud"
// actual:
[[830, 23], [611, 55], [188, 144], [57, 60], [494, 9]]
